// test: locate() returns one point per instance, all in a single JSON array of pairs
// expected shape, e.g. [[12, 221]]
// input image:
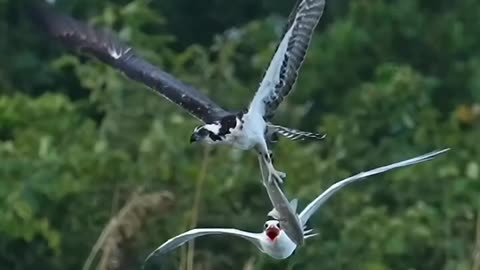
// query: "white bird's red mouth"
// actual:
[[272, 232]]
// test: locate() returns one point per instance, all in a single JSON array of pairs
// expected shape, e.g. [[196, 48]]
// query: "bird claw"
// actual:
[[274, 175]]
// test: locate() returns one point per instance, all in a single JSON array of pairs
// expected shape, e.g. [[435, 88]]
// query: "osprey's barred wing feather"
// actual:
[[108, 48], [322, 198], [282, 72], [185, 237]]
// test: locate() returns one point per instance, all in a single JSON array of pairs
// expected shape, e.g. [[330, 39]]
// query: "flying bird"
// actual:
[[293, 224], [250, 128], [275, 240]]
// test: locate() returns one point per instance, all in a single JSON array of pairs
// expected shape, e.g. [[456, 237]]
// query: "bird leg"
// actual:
[[273, 174], [263, 170]]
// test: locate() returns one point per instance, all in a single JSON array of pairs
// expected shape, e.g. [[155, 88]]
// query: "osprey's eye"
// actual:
[[203, 132], [265, 225], [278, 225]]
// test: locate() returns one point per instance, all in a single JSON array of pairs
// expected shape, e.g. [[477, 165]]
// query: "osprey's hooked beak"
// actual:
[[272, 232], [194, 137]]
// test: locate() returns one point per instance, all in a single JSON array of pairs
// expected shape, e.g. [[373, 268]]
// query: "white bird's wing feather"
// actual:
[[279, 78], [181, 239], [315, 204]]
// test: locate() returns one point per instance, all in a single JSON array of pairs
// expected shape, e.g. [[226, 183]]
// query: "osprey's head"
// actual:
[[272, 229], [208, 133]]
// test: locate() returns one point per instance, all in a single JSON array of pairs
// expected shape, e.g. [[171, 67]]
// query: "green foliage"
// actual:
[[386, 80]]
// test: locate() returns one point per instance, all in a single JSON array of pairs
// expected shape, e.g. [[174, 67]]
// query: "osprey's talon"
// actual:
[[272, 173], [277, 179], [278, 176]]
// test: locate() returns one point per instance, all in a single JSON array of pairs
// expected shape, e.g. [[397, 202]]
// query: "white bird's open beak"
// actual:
[[272, 232]]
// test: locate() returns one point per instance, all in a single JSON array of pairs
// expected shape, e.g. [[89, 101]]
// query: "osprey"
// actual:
[[246, 129], [275, 240]]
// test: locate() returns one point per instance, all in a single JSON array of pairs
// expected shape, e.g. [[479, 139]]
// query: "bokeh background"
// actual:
[[92, 163]]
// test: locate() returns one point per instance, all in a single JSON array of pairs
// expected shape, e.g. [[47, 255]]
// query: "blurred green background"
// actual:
[[85, 150]]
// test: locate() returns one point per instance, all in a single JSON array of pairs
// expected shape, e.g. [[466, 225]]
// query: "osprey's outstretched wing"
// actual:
[[108, 48], [282, 73], [322, 198], [185, 237]]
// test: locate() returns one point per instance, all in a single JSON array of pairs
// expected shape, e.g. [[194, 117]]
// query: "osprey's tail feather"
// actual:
[[295, 134]]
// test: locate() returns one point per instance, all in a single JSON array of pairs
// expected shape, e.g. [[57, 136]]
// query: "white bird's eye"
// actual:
[[265, 225]]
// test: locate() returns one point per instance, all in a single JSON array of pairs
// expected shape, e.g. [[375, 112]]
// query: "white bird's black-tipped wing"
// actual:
[[315, 204], [282, 73], [109, 49], [183, 238]]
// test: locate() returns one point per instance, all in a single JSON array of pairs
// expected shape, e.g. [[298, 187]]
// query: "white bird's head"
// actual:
[[275, 242], [272, 230]]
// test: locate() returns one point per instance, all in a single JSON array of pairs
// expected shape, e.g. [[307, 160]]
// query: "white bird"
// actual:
[[274, 240], [246, 129], [294, 224]]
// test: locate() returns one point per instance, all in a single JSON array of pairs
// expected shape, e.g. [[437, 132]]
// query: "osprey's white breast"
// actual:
[[249, 131], [246, 132], [238, 137]]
